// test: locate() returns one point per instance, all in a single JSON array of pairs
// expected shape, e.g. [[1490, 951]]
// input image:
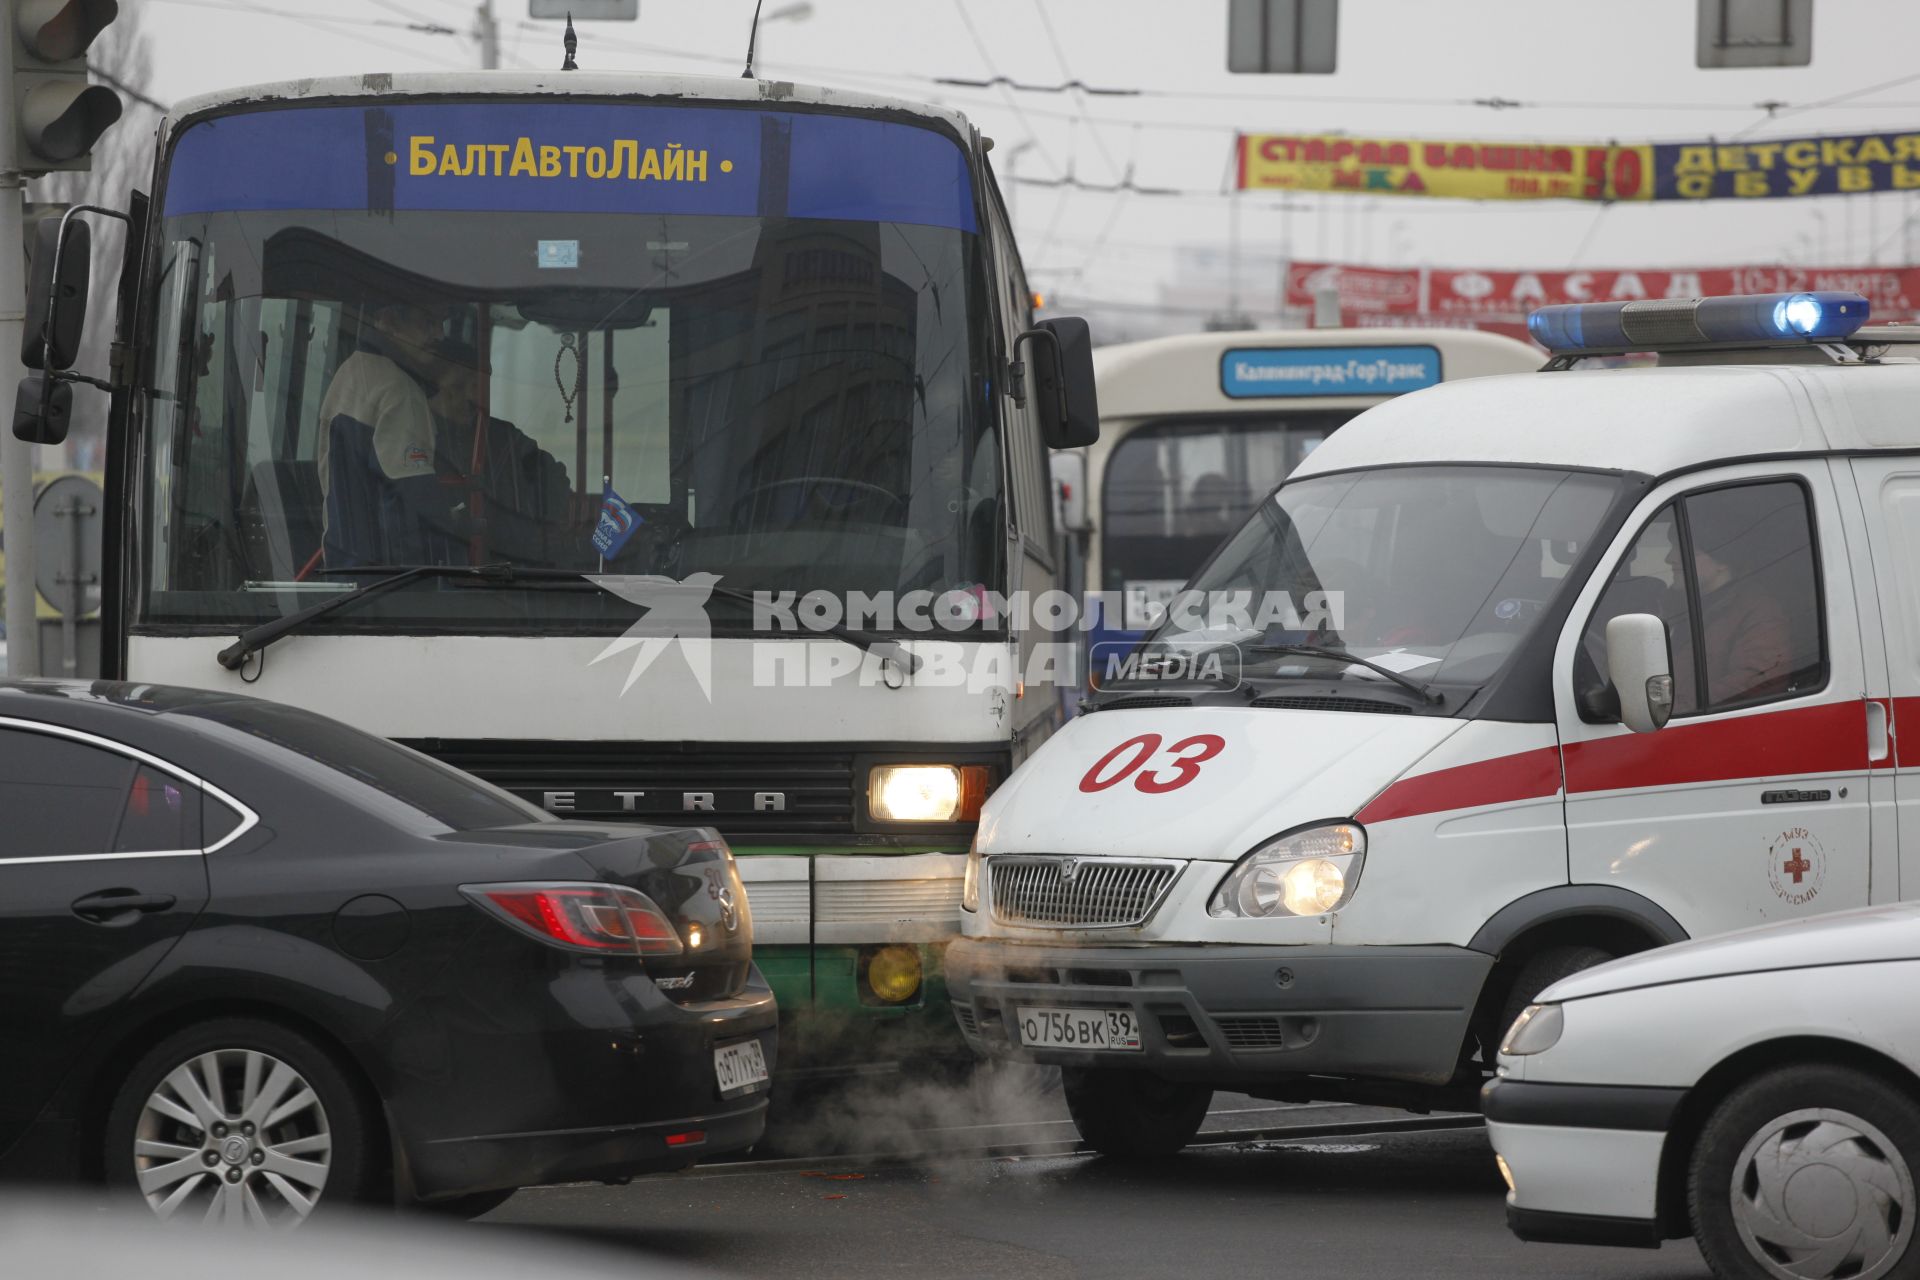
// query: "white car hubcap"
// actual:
[[233, 1137], [1820, 1193]]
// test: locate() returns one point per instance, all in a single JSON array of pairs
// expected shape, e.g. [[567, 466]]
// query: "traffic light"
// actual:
[[57, 115]]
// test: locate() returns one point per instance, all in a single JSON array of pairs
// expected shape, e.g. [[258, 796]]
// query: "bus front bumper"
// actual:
[[1231, 1014]]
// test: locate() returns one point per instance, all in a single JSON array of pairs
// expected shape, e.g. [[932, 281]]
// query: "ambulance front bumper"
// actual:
[[1227, 1014]]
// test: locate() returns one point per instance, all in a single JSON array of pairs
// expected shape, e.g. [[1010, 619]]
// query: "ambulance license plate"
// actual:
[[1100, 1029], [740, 1068]]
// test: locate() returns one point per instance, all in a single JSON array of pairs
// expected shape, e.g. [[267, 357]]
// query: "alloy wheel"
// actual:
[[233, 1137], [1821, 1193]]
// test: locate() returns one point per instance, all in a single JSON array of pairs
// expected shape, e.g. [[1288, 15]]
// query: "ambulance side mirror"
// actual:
[[1641, 669]]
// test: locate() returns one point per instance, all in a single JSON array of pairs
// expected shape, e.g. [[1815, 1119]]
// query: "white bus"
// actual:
[[479, 410], [1195, 429]]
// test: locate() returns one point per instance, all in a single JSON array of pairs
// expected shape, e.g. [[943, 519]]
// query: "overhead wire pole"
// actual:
[[16, 455], [486, 29]]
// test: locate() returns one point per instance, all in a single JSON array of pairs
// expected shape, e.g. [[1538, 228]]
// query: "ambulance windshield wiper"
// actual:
[[254, 639], [1341, 655]]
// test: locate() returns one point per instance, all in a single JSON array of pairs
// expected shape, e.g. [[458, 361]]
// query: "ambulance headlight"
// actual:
[[1305, 873], [1536, 1030]]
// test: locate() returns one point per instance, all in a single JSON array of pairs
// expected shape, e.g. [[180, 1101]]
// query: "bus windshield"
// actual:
[[562, 336]]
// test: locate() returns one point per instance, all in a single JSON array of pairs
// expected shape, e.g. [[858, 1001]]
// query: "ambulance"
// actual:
[[1510, 677]]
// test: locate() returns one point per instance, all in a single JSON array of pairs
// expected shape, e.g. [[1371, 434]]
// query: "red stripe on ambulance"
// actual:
[[1829, 738], [1527, 775]]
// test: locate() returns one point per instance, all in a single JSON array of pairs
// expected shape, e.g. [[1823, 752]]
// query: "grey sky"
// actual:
[[1617, 56]]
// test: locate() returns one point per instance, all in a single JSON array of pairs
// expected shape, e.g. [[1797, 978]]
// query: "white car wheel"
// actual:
[[1819, 1192]]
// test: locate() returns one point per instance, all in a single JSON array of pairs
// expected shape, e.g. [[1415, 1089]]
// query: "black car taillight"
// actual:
[[597, 919]]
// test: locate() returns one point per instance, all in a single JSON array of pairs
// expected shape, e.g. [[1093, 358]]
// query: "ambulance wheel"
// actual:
[[1809, 1171], [1541, 971], [1133, 1115]]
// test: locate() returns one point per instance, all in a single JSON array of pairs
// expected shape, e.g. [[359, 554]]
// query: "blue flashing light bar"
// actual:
[[1661, 324]]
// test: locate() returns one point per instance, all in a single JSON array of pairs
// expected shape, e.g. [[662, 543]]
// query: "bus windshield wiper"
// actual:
[[388, 577], [1341, 655], [254, 639]]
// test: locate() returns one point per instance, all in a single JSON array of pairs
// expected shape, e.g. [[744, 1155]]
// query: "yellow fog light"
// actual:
[[893, 974], [1505, 1172]]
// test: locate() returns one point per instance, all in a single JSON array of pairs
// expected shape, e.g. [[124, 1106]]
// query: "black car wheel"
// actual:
[[1133, 1114], [1807, 1173], [239, 1122]]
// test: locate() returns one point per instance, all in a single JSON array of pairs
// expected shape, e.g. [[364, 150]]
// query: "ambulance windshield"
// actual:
[[1437, 573]]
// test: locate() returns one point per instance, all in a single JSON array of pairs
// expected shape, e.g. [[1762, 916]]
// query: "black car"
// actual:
[[253, 961]]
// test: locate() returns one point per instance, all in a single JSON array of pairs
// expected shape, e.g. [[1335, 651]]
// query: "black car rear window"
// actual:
[[58, 797], [448, 796]]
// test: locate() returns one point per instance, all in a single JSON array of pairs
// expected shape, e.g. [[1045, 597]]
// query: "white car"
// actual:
[[1757, 1089]]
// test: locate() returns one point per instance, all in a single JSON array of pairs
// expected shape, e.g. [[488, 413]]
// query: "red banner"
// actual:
[[1500, 300]]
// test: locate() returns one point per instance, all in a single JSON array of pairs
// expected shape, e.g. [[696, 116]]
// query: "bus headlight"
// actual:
[[1307, 873], [926, 792]]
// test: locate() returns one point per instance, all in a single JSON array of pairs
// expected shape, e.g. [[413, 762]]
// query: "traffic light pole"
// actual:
[[16, 455]]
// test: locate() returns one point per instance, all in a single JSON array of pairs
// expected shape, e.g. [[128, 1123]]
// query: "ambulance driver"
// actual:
[[1744, 560]]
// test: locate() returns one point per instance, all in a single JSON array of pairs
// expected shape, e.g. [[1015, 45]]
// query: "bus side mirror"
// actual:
[[1641, 668], [42, 410], [56, 294], [1060, 355]]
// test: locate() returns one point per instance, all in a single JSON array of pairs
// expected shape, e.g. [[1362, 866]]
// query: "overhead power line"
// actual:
[[1065, 86], [337, 25], [986, 56], [126, 90]]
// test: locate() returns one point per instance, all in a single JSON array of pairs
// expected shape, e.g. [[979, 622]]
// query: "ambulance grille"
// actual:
[[1252, 1033], [1077, 893], [1140, 702]]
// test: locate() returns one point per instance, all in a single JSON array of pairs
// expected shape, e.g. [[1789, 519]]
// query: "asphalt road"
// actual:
[[1349, 1204]]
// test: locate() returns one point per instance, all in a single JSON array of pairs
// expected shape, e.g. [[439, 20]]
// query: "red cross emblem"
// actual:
[[1796, 866]]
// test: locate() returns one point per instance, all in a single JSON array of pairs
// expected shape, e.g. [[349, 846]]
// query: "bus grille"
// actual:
[[885, 901], [1077, 893], [815, 787]]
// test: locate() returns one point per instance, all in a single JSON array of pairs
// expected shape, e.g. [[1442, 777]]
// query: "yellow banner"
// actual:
[[1457, 170]]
